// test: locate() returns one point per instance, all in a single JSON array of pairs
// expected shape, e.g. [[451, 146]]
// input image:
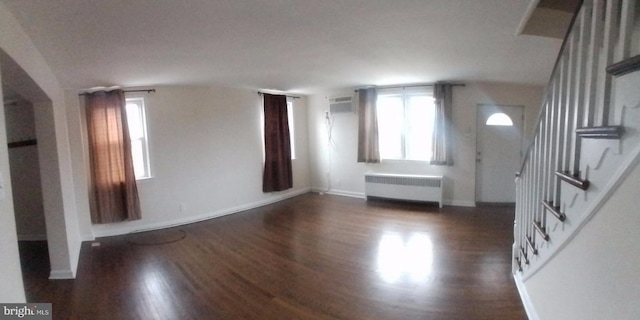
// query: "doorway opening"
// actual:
[[33, 160]]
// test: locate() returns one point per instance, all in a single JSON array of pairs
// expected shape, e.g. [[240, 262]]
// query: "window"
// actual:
[[405, 124], [136, 121], [291, 129], [499, 119]]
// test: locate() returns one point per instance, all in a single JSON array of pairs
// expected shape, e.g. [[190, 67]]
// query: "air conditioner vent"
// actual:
[[340, 105], [343, 99]]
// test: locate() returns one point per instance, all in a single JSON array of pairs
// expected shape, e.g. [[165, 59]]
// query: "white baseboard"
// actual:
[[61, 275], [459, 203], [318, 190], [342, 193], [360, 195], [126, 228], [524, 296], [346, 193]]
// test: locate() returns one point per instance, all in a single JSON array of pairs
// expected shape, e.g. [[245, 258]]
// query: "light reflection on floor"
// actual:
[[155, 293], [405, 258]]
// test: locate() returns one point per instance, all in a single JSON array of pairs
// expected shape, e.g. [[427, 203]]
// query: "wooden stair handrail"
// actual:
[[625, 66], [540, 230], [555, 210], [573, 180], [607, 132]]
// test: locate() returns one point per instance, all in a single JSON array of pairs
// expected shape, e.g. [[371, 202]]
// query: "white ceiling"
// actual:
[[299, 46]]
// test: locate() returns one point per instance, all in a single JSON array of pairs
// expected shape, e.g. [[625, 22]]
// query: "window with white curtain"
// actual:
[[136, 120], [405, 123]]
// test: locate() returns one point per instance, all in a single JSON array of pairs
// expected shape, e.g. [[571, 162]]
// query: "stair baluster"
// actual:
[[577, 106]]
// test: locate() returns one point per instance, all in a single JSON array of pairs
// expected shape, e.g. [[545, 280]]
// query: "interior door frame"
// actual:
[[475, 154]]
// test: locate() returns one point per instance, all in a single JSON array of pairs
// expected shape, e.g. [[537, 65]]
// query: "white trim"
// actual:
[[292, 127], [342, 193], [359, 195], [75, 258], [459, 203], [125, 229], [529, 308], [139, 101], [318, 190], [61, 274]]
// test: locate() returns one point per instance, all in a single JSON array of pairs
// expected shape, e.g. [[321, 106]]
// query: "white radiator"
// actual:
[[403, 187]]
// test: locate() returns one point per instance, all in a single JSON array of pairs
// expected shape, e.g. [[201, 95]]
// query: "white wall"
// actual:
[[12, 289], [206, 150], [459, 186], [25, 173], [596, 275], [79, 157], [38, 84]]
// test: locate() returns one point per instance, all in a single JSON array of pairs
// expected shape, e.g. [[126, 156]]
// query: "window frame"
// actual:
[[141, 105], [405, 94], [291, 123]]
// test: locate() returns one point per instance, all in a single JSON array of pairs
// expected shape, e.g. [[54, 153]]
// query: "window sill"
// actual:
[[144, 179]]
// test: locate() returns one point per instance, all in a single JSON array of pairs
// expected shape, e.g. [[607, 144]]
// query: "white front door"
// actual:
[[498, 152]]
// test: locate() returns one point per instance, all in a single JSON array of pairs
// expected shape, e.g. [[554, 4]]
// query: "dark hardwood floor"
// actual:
[[310, 257]]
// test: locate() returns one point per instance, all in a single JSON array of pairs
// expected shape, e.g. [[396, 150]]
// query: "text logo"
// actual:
[[26, 311]]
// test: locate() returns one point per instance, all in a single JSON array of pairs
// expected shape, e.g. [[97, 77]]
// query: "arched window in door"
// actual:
[[499, 119]]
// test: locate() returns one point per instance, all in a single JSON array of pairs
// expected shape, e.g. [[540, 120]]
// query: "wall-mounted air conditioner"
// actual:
[[341, 105]]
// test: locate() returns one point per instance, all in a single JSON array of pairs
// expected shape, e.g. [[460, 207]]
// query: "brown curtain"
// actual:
[[368, 149], [277, 174], [442, 154], [113, 191]]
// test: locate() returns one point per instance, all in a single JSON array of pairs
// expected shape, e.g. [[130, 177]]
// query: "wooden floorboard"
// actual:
[[310, 257]]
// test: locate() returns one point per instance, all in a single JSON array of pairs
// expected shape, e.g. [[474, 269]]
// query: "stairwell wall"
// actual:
[[596, 275]]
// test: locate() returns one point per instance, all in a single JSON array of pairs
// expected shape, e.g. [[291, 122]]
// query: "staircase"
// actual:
[[587, 137]]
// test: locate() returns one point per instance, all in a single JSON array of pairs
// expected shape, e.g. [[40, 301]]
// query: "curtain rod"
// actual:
[[292, 97], [125, 91], [415, 86]]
